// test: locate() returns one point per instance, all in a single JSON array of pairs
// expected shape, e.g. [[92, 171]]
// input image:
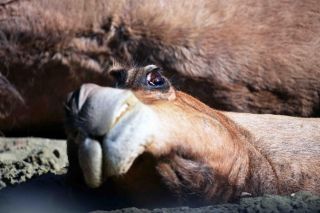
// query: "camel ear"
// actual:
[[118, 76]]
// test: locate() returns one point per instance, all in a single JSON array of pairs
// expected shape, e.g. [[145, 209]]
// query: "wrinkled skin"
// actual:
[[238, 55], [158, 145]]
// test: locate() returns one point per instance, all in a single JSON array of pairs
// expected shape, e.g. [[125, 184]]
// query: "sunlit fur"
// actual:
[[201, 155]]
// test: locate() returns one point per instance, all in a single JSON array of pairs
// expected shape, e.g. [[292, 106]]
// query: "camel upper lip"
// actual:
[[122, 110], [97, 109]]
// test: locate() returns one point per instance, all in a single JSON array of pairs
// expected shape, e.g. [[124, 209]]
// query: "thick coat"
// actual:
[[240, 55]]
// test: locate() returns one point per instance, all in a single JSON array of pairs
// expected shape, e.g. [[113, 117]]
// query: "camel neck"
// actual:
[[262, 177]]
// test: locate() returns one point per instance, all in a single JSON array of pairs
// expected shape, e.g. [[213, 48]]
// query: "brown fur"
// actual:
[[248, 56], [266, 155], [206, 156]]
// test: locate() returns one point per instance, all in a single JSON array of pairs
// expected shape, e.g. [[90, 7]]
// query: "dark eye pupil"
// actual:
[[155, 79]]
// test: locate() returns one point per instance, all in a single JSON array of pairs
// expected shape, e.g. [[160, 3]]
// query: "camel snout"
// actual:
[[77, 98]]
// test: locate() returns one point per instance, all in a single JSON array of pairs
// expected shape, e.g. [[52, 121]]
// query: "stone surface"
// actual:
[[23, 158]]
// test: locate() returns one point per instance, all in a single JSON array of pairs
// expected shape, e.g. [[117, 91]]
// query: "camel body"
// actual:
[[236, 55]]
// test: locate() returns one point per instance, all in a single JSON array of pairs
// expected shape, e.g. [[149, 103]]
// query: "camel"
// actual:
[[160, 145], [236, 55]]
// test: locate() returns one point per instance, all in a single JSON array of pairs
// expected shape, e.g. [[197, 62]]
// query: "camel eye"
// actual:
[[155, 79]]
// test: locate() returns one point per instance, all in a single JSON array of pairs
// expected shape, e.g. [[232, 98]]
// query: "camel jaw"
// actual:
[[125, 127]]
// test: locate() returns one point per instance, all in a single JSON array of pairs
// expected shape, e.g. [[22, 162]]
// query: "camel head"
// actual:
[[112, 127]]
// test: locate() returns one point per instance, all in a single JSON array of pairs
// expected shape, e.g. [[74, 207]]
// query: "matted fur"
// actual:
[[250, 56]]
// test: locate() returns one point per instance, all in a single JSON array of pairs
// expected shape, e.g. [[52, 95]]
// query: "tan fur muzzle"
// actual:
[[112, 129]]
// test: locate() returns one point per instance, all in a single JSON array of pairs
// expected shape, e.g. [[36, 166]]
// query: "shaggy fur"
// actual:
[[240, 55]]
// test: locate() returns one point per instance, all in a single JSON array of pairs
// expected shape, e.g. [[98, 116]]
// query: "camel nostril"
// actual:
[[72, 103]]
